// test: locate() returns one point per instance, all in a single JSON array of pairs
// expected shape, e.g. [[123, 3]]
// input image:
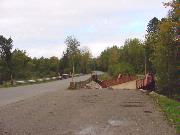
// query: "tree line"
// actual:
[[126, 59], [17, 65]]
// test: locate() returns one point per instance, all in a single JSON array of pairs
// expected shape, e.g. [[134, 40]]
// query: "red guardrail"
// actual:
[[147, 83], [140, 84], [123, 79]]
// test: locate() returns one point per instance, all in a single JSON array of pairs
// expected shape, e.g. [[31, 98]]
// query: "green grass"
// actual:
[[6, 85], [105, 76], [171, 109]]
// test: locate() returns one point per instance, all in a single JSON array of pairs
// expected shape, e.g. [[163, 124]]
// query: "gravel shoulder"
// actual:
[[84, 112]]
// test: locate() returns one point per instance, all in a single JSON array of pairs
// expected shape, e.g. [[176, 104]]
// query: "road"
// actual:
[[85, 112], [14, 94]]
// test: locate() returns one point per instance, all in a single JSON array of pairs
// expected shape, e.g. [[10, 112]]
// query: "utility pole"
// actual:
[[73, 70], [73, 73], [145, 62]]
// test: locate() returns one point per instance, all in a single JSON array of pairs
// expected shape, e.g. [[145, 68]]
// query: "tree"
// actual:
[[150, 42], [71, 57], [161, 49], [152, 26], [165, 58], [72, 45], [133, 53], [108, 57], [6, 54], [54, 64], [121, 68], [3, 71], [45, 67], [85, 60], [64, 63], [22, 64]]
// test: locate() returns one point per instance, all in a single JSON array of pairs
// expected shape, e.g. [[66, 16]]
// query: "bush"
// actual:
[[105, 76], [121, 68]]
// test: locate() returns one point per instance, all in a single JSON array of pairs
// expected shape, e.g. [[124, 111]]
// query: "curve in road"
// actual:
[[14, 94]]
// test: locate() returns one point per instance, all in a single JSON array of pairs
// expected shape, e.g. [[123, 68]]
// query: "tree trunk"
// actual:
[[1, 80], [12, 81]]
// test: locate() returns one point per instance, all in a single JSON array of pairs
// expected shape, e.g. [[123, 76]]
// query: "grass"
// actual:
[[6, 85], [171, 109], [105, 76]]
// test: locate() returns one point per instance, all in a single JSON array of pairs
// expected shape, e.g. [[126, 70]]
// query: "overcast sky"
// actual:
[[41, 26]]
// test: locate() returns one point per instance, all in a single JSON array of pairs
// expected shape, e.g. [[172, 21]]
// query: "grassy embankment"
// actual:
[[171, 109]]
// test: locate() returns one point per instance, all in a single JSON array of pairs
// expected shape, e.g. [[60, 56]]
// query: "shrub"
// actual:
[[121, 68]]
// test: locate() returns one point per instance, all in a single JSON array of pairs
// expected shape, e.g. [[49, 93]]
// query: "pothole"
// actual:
[[147, 112]]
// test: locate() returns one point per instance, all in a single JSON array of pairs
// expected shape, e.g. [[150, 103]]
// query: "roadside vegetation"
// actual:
[[171, 109], [105, 76]]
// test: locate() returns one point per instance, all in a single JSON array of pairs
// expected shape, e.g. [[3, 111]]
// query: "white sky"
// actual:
[[41, 26]]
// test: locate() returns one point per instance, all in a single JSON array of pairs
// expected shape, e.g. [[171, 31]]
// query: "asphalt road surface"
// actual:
[[14, 94]]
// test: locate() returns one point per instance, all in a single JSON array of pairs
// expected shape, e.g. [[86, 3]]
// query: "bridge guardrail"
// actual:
[[147, 83], [140, 84], [123, 79]]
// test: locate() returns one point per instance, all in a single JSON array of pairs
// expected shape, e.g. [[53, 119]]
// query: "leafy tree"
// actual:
[[54, 65], [108, 57], [161, 49], [3, 71], [21, 63], [6, 54], [85, 61], [133, 53], [73, 53], [165, 58], [64, 63], [121, 68], [44, 67]]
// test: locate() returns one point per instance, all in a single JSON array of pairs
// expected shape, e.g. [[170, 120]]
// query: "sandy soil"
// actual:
[[129, 85], [84, 112]]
